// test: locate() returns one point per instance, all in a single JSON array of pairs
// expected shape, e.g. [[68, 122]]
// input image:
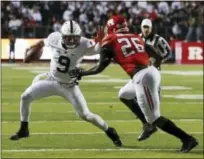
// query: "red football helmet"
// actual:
[[116, 24]]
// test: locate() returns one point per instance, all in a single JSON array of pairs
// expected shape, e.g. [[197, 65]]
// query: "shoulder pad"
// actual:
[[53, 38]]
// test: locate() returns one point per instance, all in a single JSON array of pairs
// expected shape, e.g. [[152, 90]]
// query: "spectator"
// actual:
[[14, 25], [16, 4], [163, 8], [176, 5], [12, 41], [83, 18], [36, 15], [67, 15], [196, 19], [57, 26], [90, 30], [174, 19]]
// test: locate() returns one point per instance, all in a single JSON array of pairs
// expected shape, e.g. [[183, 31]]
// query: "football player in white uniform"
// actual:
[[67, 48]]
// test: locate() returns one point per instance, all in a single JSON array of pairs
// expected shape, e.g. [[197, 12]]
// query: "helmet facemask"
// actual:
[[71, 34], [71, 41]]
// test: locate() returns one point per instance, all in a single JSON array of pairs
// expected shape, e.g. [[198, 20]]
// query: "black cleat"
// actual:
[[189, 144], [147, 131], [113, 135], [19, 135]]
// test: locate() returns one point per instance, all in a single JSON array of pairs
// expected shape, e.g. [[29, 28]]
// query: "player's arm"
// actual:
[[104, 61], [93, 45], [93, 48], [33, 50]]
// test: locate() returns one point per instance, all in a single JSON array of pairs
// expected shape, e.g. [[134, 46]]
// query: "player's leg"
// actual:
[[37, 90], [128, 97], [146, 89], [148, 98], [189, 142], [76, 98]]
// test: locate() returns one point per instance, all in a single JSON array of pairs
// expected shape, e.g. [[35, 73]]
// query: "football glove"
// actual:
[[76, 73]]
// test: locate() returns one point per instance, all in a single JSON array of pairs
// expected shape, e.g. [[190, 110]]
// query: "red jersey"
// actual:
[[128, 50]]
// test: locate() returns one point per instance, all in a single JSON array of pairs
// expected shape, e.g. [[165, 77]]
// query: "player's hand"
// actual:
[[76, 73], [99, 34]]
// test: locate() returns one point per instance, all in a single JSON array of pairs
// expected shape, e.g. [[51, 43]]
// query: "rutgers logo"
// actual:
[[195, 53]]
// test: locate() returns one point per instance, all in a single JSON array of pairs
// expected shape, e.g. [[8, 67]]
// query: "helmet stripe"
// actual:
[[71, 26]]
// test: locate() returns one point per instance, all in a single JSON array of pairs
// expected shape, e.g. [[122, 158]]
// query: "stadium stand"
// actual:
[[36, 19]]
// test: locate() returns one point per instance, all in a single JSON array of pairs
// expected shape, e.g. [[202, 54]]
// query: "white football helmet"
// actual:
[[71, 33]]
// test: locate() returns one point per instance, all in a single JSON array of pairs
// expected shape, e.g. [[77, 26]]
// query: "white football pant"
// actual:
[[49, 87], [145, 86]]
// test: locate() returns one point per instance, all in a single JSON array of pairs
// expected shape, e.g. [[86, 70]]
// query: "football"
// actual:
[[33, 54]]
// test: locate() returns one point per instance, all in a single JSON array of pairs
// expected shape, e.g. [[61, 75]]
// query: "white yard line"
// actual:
[[118, 121], [79, 149], [90, 133], [104, 103], [73, 112], [31, 68]]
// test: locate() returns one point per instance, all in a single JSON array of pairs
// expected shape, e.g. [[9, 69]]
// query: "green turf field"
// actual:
[[57, 132]]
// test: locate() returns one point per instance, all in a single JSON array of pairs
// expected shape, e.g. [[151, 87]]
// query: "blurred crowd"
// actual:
[[36, 19]]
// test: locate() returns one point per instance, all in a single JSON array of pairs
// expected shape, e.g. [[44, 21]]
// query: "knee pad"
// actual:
[[26, 97]]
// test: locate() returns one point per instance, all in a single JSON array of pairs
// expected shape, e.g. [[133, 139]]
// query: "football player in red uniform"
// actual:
[[158, 50], [128, 51]]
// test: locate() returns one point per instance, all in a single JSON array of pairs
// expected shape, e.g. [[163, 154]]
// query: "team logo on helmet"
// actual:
[[116, 24]]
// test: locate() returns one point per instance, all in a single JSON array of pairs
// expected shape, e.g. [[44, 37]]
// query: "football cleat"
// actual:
[[189, 144], [19, 135], [147, 131], [112, 134]]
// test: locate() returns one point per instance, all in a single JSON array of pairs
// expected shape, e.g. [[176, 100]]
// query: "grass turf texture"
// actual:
[[57, 132]]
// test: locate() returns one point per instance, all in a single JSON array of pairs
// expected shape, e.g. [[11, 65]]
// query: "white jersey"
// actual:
[[63, 60]]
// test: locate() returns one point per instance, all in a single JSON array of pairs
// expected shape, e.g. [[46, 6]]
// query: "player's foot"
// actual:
[[147, 131], [20, 134], [189, 144], [113, 135]]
